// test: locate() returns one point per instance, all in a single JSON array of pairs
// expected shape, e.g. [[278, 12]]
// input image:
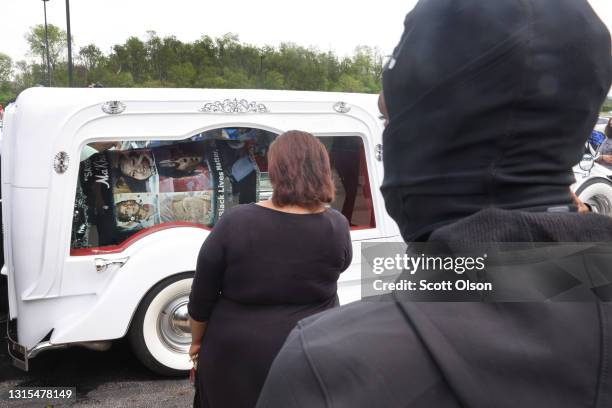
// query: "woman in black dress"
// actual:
[[263, 268]]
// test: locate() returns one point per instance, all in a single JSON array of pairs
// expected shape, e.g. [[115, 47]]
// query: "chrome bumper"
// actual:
[[17, 352]]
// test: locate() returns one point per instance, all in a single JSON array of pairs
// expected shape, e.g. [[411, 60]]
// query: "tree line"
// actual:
[[223, 62]]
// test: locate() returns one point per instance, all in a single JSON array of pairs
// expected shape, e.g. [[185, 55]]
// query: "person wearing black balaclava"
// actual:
[[490, 104], [504, 109]]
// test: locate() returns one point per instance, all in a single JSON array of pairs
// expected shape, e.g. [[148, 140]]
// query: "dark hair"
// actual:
[[134, 185], [173, 172], [299, 170], [608, 129], [136, 154]]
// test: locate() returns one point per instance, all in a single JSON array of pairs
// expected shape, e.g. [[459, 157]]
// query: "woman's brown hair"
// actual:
[[299, 170]]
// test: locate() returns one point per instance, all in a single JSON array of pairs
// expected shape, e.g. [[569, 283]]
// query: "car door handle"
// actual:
[[103, 264]]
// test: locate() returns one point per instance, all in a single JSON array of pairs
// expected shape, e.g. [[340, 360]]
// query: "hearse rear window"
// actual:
[[126, 189]]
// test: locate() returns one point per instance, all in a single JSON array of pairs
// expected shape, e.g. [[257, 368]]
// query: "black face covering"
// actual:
[[490, 103]]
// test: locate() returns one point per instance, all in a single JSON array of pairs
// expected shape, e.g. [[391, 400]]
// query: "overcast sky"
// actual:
[[337, 25]]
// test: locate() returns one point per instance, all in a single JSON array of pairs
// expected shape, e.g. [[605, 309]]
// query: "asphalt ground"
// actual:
[[113, 378]]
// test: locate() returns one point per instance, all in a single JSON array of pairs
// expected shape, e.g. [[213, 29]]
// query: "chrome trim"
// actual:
[[17, 353], [342, 107], [61, 162], [44, 346], [600, 204], [20, 356], [90, 345], [173, 327], [234, 106], [103, 264], [113, 107], [378, 152]]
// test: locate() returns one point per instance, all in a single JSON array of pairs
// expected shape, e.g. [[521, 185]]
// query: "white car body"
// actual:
[[600, 126], [594, 185], [57, 299]]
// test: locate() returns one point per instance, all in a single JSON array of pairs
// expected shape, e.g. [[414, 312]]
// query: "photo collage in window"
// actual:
[[125, 188]]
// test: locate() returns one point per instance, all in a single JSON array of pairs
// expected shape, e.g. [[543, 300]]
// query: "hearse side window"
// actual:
[[127, 189], [350, 173]]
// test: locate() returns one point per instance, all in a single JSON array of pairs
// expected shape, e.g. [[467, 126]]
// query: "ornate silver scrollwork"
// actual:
[[113, 107], [234, 106], [60, 162], [342, 107]]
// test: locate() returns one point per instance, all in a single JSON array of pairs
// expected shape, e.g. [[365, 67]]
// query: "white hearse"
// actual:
[[108, 195], [594, 181]]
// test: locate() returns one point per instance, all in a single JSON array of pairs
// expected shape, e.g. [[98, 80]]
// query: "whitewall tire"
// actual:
[[597, 192], [159, 334]]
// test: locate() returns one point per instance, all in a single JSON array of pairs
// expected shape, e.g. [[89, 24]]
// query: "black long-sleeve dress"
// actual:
[[258, 273]]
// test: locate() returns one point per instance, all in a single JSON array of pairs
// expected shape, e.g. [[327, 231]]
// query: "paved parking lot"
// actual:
[[102, 379]]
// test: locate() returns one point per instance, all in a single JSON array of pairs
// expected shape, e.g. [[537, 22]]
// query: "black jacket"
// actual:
[[394, 353]]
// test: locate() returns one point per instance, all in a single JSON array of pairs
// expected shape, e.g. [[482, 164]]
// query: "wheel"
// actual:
[[160, 334], [597, 192]]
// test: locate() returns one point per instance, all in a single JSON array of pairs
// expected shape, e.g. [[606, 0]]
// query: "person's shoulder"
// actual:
[[234, 215], [499, 225], [238, 211], [336, 216]]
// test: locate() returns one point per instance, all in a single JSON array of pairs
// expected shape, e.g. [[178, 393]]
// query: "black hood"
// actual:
[[490, 104]]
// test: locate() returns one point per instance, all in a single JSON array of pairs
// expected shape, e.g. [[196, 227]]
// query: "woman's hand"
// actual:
[[582, 207], [194, 349]]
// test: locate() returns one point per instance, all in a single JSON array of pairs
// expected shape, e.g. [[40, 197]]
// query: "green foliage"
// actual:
[[118, 80], [90, 56], [607, 106], [223, 62], [182, 75], [57, 43], [6, 93], [349, 83], [6, 68]]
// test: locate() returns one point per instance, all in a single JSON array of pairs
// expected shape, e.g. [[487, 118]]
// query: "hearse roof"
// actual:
[[86, 96]]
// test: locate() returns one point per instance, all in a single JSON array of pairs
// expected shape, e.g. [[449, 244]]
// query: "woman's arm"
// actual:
[[347, 245], [207, 282], [197, 332]]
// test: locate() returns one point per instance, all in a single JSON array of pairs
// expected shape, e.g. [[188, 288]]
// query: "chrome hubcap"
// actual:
[[601, 204], [173, 325]]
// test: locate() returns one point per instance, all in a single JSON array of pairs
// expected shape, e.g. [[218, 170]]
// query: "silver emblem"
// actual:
[[61, 161], [113, 107], [342, 107], [378, 152], [234, 106]]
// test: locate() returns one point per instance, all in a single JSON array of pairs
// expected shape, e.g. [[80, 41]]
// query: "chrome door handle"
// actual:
[[103, 264]]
